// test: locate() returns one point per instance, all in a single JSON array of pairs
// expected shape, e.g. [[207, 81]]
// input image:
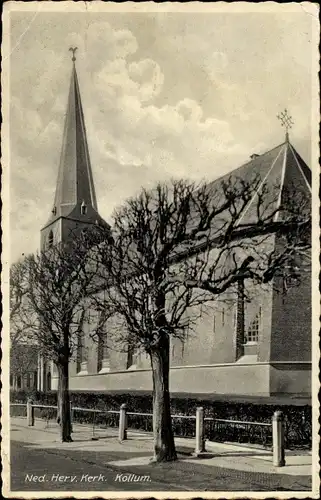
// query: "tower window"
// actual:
[[50, 239], [83, 208], [54, 211]]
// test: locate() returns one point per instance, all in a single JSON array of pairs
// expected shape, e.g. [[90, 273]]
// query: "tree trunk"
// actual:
[[164, 446], [63, 401], [58, 399]]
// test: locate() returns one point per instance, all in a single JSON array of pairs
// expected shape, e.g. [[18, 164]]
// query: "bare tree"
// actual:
[[59, 282], [23, 363], [180, 246], [18, 292], [22, 357]]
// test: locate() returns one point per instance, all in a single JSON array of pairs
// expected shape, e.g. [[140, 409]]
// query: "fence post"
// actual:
[[278, 439], [30, 413], [122, 423], [199, 434]]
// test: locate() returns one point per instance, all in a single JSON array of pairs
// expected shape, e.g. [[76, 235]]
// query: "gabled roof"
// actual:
[[280, 170], [279, 175], [270, 160]]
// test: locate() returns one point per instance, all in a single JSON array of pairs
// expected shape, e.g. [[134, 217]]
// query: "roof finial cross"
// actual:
[[73, 50], [286, 121]]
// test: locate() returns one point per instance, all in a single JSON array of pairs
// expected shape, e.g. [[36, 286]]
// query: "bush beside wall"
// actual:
[[297, 418]]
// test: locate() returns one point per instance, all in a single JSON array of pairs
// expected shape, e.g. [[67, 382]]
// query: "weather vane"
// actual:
[[73, 50], [286, 121]]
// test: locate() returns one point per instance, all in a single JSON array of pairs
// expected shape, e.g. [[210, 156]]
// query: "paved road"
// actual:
[[47, 464], [41, 470]]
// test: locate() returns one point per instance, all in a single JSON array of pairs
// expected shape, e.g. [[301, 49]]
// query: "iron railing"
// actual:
[[18, 410], [95, 417], [140, 421], [184, 425], [89, 416], [298, 434], [238, 431], [48, 413]]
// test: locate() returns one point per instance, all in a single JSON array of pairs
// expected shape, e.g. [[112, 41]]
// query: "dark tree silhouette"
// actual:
[[180, 246], [58, 282]]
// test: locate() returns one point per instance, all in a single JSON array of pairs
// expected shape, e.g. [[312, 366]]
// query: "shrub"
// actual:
[[298, 428]]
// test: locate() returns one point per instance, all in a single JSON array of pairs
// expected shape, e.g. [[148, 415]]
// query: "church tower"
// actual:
[[75, 205]]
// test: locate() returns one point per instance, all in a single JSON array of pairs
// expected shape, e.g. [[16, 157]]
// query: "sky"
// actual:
[[165, 94]]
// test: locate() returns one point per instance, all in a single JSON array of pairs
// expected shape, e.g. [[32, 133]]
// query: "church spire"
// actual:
[[75, 185], [75, 205]]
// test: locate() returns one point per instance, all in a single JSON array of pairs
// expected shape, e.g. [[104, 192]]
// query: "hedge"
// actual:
[[297, 418]]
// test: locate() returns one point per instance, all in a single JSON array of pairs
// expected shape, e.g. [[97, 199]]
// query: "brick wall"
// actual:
[[291, 323]]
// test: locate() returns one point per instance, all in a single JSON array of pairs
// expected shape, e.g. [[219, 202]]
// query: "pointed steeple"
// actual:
[[75, 183], [75, 203]]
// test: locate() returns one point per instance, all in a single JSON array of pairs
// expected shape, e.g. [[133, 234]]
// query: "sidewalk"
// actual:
[[139, 446]]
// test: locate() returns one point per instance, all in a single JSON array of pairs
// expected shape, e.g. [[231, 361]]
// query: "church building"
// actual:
[[269, 355]]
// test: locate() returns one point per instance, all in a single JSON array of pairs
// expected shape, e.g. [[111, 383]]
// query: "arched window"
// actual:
[[134, 357], [50, 239], [252, 333], [131, 351], [103, 353], [223, 316], [81, 350], [83, 208], [48, 381], [19, 381]]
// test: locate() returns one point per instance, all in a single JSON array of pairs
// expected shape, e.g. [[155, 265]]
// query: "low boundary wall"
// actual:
[[259, 379]]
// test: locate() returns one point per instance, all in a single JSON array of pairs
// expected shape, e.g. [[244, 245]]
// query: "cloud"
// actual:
[[99, 43], [187, 104], [189, 110], [133, 141], [118, 79], [170, 140]]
